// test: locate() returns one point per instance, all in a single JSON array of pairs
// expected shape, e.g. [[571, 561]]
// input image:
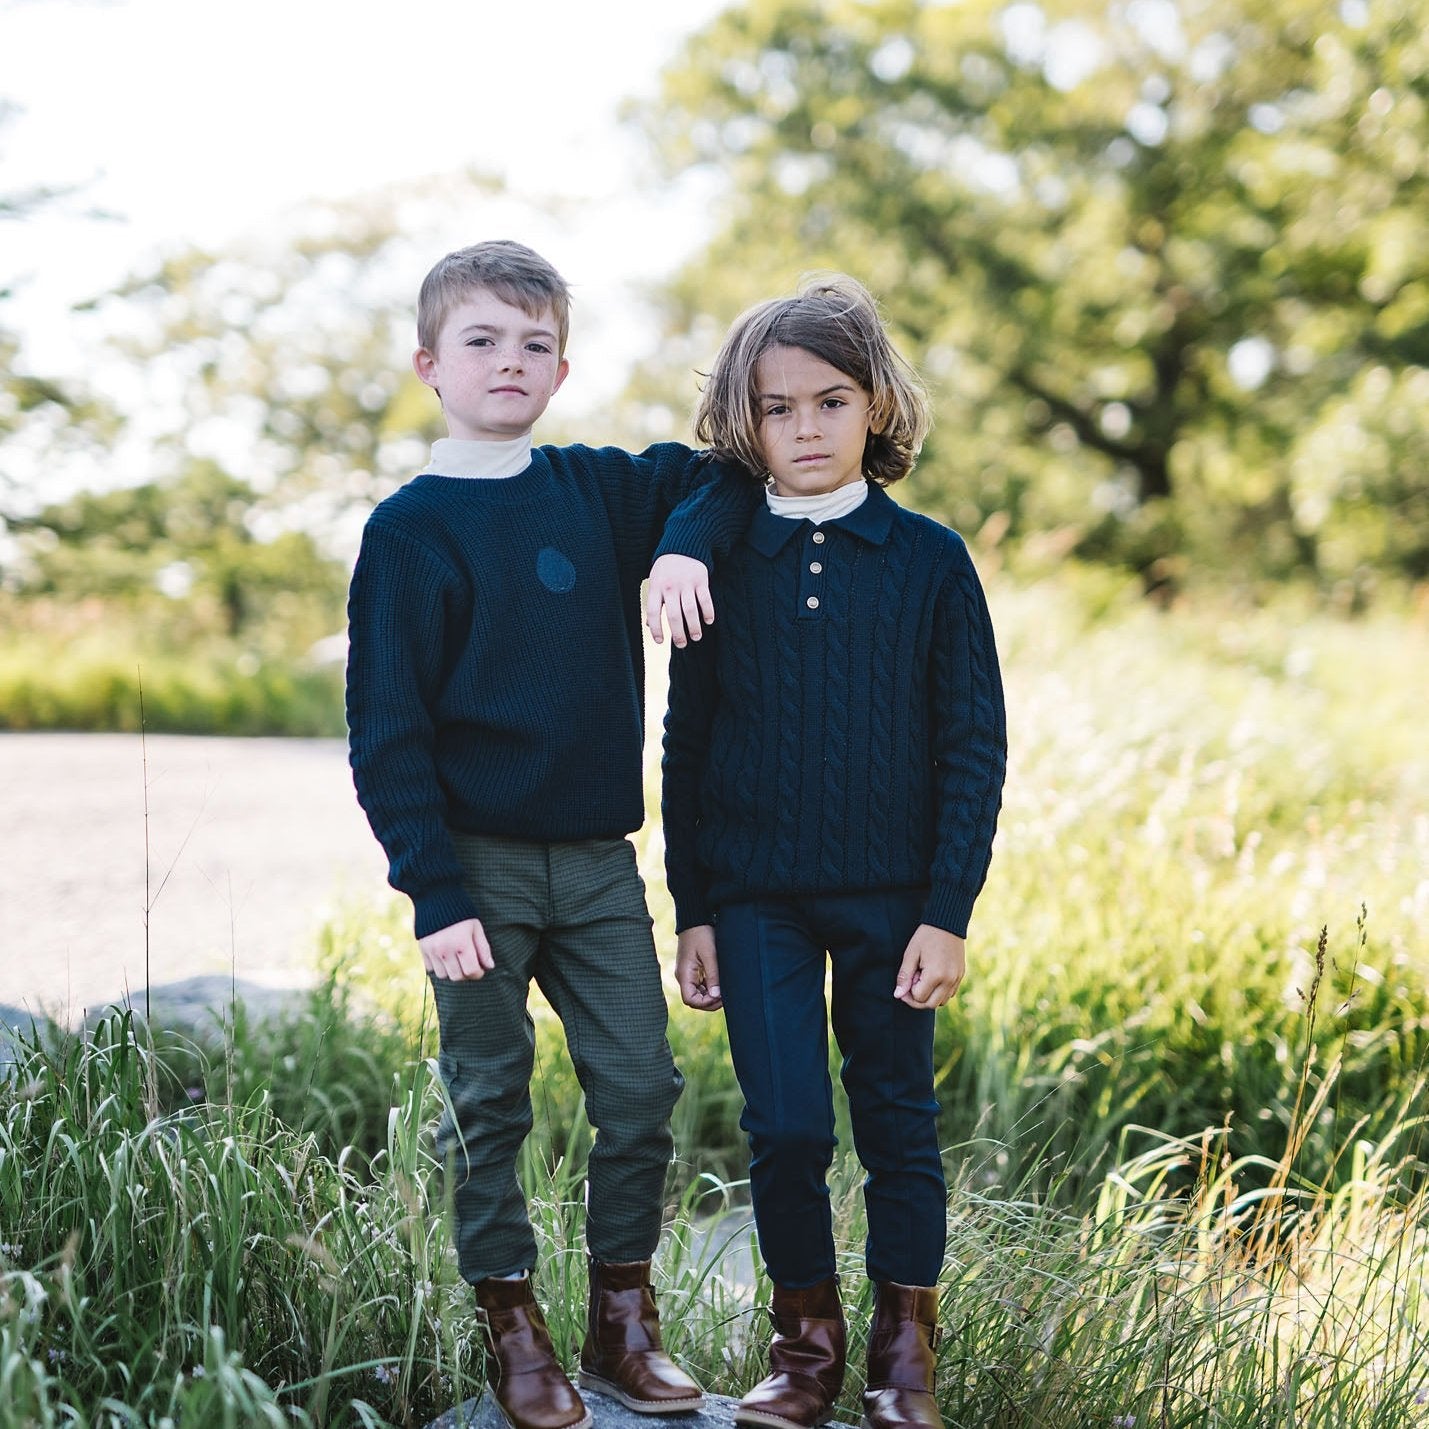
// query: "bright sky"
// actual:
[[194, 121]]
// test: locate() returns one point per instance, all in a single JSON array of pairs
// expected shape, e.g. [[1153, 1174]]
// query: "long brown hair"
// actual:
[[835, 318]]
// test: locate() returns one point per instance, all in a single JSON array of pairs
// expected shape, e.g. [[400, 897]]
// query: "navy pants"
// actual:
[[774, 954]]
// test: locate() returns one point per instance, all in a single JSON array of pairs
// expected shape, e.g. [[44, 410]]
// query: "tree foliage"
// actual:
[[287, 360], [1164, 262], [181, 558], [24, 394]]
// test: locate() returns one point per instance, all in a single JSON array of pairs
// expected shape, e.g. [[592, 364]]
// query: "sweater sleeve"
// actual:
[[395, 621], [689, 718], [708, 522], [641, 490], [969, 743]]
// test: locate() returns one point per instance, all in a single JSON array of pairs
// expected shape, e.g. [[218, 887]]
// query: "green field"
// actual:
[[1182, 1094]]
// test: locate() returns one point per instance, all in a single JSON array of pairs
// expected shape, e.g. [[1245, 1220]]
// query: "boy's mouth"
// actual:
[[508, 391]]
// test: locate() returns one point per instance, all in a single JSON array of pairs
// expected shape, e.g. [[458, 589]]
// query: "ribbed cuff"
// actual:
[[692, 910], [950, 907], [440, 909], [687, 535]]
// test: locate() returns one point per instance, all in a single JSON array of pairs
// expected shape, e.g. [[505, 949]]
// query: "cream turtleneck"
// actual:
[[825, 507], [456, 456]]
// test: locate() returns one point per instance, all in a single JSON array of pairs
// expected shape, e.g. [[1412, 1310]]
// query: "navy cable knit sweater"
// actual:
[[841, 728], [495, 679]]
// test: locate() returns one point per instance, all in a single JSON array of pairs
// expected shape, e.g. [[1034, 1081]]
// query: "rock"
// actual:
[[482, 1413]]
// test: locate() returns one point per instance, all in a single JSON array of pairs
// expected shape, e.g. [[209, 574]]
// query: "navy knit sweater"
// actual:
[[841, 728], [495, 679]]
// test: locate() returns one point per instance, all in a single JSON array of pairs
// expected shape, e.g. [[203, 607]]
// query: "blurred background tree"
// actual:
[[263, 401], [33, 403], [1166, 265], [181, 561]]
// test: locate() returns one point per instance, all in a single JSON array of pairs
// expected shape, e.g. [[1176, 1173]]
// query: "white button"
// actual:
[[816, 566], [812, 602], [818, 538]]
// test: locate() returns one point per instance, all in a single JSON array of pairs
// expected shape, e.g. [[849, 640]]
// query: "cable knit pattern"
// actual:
[[839, 690], [495, 679], [874, 720]]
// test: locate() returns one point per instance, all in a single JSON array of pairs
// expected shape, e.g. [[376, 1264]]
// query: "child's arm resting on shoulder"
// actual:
[[459, 952], [704, 527], [933, 967], [697, 968]]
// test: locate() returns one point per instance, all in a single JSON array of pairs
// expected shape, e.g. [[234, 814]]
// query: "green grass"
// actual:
[[1181, 1093], [219, 690], [211, 1265]]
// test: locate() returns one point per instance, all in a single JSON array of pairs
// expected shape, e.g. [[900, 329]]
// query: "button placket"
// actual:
[[811, 572]]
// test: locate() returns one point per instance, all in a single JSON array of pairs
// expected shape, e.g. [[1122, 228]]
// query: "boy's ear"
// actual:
[[425, 366], [562, 372]]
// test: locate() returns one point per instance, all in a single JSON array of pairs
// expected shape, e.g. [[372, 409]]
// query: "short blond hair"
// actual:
[[834, 318], [514, 273]]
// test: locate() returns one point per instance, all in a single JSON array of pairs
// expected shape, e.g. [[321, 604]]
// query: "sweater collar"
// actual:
[[871, 522]]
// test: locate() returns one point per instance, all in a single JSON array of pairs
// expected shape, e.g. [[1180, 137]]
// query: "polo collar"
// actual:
[[871, 521]]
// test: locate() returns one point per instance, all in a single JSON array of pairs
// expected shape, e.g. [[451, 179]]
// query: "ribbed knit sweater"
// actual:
[[495, 679], [841, 727]]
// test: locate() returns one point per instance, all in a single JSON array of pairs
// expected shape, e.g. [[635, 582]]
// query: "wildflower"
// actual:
[[1124, 1421], [194, 1093], [385, 1374], [55, 1356], [198, 1371], [14, 1251], [1421, 1395]]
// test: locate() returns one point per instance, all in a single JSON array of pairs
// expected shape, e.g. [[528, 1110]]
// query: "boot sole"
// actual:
[[773, 1421], [586, 1380], [512, 1424]]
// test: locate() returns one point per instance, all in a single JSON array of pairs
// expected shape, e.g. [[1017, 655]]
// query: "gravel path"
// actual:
[[252, 840]]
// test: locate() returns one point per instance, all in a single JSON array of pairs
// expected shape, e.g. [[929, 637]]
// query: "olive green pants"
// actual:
[[573, 917]]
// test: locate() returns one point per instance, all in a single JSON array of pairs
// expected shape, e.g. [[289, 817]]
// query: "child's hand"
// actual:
[[696, 970], [680, 586], [459, 951], [932, 968]]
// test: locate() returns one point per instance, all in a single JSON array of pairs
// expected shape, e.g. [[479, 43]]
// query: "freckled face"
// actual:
[[813, 423], [495, 368]]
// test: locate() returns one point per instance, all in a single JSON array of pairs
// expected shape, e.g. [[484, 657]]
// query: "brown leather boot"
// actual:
[[901, 1359], [806, 1360], [623, 1355], [525, 1378]]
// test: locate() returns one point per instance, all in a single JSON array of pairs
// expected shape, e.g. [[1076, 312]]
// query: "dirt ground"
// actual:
[[250, 843]]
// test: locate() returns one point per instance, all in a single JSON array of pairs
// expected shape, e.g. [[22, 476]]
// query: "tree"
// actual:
[[287, 359], [1165, 262], [26, 395], [181, 559]]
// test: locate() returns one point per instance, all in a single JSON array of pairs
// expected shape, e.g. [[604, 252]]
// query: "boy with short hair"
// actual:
[[495, 704]]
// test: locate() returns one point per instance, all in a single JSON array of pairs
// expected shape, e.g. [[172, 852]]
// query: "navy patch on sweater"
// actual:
[[557, 574]]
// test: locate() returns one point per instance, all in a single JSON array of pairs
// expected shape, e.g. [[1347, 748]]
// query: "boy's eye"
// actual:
[[478, 342], [778, 409], [834, 402], [540, 347]]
